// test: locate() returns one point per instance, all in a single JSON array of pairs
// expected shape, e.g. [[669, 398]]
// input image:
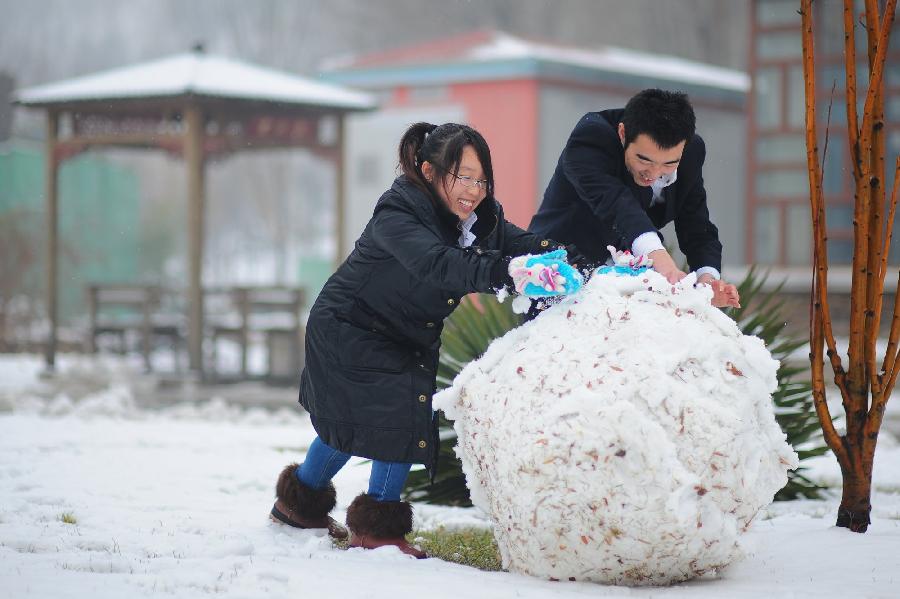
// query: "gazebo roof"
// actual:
[[197, 74]]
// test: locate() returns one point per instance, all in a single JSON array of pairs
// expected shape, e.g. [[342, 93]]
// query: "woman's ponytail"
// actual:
[[410, 145]]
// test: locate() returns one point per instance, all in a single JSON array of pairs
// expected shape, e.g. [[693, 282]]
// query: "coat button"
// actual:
[[544, 243], [451, 301], [422, 444], [418, 354], [429, 325], [423, 398]]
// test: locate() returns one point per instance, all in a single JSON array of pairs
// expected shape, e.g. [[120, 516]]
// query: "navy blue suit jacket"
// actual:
[[593, 201]]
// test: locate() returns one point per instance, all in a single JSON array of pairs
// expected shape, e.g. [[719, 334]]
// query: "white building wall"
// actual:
[[371, 142]]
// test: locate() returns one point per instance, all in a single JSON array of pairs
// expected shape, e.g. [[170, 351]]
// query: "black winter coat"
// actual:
[[373, 334], [593, 201]]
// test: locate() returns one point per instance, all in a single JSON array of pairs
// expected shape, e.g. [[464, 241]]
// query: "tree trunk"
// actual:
[[862, 380], [856, 498]]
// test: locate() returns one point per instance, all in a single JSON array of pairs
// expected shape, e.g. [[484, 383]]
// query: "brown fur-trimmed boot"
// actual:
[[301, 506], [376, 524]]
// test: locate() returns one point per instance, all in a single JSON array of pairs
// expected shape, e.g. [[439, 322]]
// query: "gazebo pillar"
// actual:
[[52, 205], [195, 160]]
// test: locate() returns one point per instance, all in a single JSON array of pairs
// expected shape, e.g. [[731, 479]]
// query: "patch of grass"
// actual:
[[341, 543], [473, 547], [68, 518]]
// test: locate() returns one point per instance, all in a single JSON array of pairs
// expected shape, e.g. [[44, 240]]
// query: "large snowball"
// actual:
[[625, 436]]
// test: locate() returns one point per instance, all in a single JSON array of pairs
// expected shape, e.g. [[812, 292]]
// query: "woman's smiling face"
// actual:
[[462, 193]]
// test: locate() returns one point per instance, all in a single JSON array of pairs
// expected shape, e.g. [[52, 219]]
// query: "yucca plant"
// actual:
[[477, 322], [762, 314]]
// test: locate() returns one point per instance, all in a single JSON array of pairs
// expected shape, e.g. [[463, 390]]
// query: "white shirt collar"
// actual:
[[467, 238], [662, 182]]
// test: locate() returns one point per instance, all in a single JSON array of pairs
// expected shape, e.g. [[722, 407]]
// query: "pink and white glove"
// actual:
[[545, 275], [626, 258]]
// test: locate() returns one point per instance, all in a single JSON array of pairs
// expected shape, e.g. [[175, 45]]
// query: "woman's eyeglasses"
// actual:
[[469, 182]]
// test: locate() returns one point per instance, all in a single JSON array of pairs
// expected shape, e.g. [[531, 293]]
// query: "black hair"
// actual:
[[442, 146], [664, 116]]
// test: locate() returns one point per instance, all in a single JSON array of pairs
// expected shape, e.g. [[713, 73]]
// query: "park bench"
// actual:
[[268, 314], [133, 311]]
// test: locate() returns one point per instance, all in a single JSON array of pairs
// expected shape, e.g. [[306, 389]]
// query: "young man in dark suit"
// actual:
[[626, 173]]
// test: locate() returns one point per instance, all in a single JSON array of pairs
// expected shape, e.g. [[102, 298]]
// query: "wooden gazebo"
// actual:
[[196, 106]]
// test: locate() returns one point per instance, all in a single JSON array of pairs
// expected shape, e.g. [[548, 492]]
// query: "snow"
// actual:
[[200, 74], [504, 46], [173, 502], [626, 435]]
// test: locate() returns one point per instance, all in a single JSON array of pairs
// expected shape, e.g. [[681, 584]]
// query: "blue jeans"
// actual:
[[322, 463]]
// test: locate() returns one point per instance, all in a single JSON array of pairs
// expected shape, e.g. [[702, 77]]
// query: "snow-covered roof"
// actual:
[[196, 73], [610, 58], [469, 57]]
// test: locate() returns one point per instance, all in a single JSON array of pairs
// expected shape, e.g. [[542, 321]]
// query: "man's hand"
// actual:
[[664, 265], [724, 294]]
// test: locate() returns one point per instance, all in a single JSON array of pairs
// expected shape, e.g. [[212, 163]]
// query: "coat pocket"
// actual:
[[359, 349]]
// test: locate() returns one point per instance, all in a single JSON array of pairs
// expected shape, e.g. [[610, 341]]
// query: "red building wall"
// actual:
[[506, 113]]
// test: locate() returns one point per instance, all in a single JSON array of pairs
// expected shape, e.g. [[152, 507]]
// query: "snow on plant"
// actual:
[[625, 436]]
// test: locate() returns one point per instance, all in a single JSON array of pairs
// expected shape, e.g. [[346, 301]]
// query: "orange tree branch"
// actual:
[[860, 308], [879, 401], [876, 76], [876, 192], [817, 366], [850, 79], [869, 183], [890, 355], [856, 357], [817, 204], [873, 27]]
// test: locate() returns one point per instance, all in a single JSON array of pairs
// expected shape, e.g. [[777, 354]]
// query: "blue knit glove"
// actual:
[[545, 275]]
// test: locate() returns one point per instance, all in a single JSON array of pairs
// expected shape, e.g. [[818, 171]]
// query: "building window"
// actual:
[[767, 88], [799, 235], [773, 149], [892, 109], [782, 183], [779, 45], [838, 216], [767, 234], [777, 12], [840, 250], [892, 69], [796, 108], [834, 170]]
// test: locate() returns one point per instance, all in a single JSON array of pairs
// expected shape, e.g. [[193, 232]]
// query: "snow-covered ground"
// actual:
[[173, 502]]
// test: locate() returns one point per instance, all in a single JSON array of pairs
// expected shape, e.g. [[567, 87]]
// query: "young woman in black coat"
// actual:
[[373, 334]]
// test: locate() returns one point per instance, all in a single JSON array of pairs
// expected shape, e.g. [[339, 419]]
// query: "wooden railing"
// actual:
[[137, 316]]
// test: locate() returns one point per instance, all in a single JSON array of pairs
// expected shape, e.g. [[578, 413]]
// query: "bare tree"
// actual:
[[18, 254], [864, 388]]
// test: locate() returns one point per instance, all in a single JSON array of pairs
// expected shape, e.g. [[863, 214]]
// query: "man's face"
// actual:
[[646, 161]]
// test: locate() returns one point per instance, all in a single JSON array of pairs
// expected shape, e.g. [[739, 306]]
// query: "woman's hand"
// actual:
[[545, 275]]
